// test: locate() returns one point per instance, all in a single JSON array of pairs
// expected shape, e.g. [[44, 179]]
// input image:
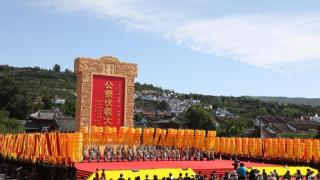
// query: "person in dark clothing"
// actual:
[[200, 176], [299, 175], [121, 177], [170, 177], [103, 174], [235, 163], [226, 176], [97, 174], [147, 177], [51, 172], [276, 174], [72, 170], [287, 175], [252, 174], [64, 171], [186, 177], [308, 173], [213, 176], [264, 174]]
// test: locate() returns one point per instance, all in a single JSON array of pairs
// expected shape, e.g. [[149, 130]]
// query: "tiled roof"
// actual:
[[304, 126], [260, 133], [267, 119], [280, 127], [49, 115], [286, 125]]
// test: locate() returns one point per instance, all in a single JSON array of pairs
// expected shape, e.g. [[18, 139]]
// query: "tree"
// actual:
[[7, 91], [288, 112], [318, 133], [137, 117], [68, 71], [262, 111], [232, 127], [56, 68], [19, 106], [13, 100], [9, 125], [163, 105], [307, 135], [47, 102], [69, 107], [216, 102], [198, 118], [36, 68]]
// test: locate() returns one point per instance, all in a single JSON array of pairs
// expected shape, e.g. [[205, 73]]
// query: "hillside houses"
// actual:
[[176, 104], [277, 126], [162, 118], [222, 112]]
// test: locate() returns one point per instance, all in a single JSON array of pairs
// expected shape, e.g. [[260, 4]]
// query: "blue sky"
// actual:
[[217, 47]]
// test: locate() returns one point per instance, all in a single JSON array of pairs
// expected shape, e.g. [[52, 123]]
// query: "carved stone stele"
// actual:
[[85, 68]]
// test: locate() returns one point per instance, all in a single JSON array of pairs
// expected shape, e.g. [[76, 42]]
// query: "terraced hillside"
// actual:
[[38, 82]]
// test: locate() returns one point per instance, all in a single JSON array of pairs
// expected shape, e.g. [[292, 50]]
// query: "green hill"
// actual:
[[286, 100], [26, 90], [41, 82]]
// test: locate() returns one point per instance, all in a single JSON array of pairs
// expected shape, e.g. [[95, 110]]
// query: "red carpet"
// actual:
[[217, 164]]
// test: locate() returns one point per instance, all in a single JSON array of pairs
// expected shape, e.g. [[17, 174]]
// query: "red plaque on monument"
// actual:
[[108, 101]]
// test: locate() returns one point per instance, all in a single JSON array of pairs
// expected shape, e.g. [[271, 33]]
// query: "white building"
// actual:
[[315, 118], [59, 101]]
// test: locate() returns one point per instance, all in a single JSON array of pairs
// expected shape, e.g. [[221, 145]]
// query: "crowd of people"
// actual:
[[157, 153], [255, 174], [28, 170], [170, 176], [239, 173]]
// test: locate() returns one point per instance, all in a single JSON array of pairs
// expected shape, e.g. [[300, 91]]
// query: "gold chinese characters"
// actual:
[[108, 94]]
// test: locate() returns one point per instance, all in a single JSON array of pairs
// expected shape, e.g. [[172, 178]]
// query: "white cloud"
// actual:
[[259, 40], [268, 40]]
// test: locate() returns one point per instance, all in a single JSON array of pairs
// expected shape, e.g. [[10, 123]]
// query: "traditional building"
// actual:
[[315, 118], [49, 120], [276, 126]]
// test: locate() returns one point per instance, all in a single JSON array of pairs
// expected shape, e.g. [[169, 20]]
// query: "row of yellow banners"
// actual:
[[57, 147], [149, 136], [300, 149], [50, 147]]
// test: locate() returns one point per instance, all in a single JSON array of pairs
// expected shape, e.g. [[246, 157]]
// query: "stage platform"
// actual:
[[205, 167]]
